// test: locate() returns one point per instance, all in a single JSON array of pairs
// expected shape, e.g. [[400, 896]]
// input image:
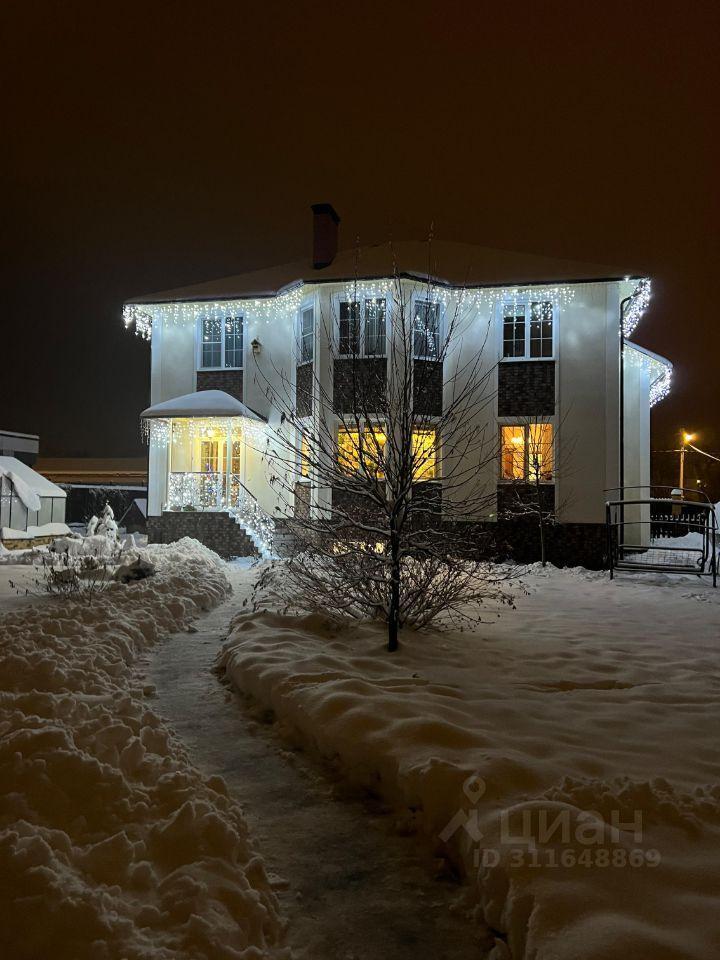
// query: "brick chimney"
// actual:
[[325, 234]]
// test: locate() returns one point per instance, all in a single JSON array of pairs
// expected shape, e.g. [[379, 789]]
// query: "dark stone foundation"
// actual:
[[218, 531]]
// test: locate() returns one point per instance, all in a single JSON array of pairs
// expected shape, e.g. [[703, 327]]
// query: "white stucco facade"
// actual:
[[586, 356]]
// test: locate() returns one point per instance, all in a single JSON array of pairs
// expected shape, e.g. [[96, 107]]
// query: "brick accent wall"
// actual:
[[357, 382], [508, 495], [302, 500], [303, 389], [216, 530], [428, 387], [229, 381], [567, 544], [526, 388]]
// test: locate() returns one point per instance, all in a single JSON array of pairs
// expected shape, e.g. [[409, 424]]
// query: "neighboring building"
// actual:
[[91, 482], [554, 355], [23, 446], [32, 509]]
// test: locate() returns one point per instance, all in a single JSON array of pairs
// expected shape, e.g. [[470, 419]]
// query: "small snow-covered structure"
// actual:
[[32, 508]]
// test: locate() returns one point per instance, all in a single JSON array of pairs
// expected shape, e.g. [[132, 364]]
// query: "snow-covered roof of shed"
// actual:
[[456, 264], [204, 403], [16, 469]]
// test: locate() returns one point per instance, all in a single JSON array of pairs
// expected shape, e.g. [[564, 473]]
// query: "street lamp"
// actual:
[[685, 438]]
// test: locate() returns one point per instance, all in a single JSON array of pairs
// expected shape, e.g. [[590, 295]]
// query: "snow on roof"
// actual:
[[204, 403], [24, 476], [457, 264]]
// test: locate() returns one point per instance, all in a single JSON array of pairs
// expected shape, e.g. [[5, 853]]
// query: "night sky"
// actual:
[[157, 145]]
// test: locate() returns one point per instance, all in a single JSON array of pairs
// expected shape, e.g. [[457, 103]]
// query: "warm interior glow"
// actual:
[[513, 453], [424, 454], [304, 456], [540, 451], [368, 448], [527, 452]]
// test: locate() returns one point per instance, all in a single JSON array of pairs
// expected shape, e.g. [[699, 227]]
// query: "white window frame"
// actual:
[[515, 422], [199, 340], [362, 299], [308, 306], [419, 298], [526, 302]]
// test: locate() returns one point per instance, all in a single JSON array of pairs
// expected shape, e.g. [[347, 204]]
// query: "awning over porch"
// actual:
[[204, 403]]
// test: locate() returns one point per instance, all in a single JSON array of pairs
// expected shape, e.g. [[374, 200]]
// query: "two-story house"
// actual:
[[553, 333]]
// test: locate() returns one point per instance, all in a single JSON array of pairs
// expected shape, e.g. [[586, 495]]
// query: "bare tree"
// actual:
[[530, 466], [384, 457]]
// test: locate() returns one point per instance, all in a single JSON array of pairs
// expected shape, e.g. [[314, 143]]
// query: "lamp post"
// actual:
[[685, 438]]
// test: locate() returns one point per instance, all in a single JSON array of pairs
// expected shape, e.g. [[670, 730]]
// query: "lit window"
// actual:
[[426, 330], [304, 456], [366, 450], [235, 455], [222, 342], [424, 454], [526, 452], [209, 456], [307, 335], [523, 340], [349, 450], [513, 453], [373, 452], [540, 451]]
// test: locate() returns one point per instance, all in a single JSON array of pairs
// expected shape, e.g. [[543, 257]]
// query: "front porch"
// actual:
[[199, 463]]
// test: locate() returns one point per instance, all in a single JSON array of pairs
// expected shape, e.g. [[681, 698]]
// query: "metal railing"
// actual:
[[670, 533]]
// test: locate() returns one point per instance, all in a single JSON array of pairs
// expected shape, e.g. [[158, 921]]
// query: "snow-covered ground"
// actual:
[[564, 756], [112, 845]]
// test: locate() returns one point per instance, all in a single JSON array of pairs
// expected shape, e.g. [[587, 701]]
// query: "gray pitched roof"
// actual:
[[456, 264]]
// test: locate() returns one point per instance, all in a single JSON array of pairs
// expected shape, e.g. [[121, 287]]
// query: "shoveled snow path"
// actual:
[[354, 889]]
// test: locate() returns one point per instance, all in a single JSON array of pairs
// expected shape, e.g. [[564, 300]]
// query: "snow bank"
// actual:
[[111, 844], [590, 707], [45, 530]]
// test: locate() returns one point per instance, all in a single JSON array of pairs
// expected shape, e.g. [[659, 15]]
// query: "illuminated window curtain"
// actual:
[[424, 454], [541, 329], [307, 335], [233, 342], [426, 330], [366, 450], [373, 451], [304, 456], [375, 342], [349, 321], [211, 342], [513, 453], [348, 450], [540, 451], [514, 330]]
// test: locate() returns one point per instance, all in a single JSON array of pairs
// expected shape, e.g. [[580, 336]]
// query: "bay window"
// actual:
[[424, 452], [526, 452], [221, 343], [528, 330]]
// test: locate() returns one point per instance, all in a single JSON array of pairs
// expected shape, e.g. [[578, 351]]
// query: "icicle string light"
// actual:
[[161, 433], [659, 371], [637, 307], [286, 305]]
